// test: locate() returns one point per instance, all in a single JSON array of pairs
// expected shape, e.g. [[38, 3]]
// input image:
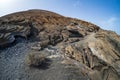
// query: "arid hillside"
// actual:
[[43, 45]]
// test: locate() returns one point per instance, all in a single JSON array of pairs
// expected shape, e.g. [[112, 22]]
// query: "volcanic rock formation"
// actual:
[[76, 49]]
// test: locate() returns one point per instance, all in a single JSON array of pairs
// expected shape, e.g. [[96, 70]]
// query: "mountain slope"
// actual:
[[76, 49]]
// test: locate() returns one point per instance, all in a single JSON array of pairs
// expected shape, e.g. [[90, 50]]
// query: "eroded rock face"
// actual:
[[98, 55], [42, 25], [94, 51]]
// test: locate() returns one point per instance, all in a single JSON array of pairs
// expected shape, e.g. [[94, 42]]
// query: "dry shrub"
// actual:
[[35, 59]]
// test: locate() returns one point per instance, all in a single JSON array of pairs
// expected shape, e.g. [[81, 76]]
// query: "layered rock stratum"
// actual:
[[75, 49]]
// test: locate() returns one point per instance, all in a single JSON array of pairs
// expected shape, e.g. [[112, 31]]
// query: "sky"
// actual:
[[104, 13]]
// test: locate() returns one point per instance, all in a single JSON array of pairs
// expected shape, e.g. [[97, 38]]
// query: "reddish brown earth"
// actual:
[[74, 49]]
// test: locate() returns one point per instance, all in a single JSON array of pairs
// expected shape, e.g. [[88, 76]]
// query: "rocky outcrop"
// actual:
[[42, 25], [95, 52]]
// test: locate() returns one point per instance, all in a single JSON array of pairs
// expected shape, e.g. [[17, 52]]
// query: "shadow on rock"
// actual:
[[11, 44], [44, 65]]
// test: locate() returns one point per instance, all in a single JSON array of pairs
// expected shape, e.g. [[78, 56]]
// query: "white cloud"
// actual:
[[109, 23]]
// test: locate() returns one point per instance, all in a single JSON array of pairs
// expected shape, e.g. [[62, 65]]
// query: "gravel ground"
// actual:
[[12, 66], [11, 60]]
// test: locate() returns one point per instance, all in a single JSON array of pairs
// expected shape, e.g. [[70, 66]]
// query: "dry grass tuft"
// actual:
[[35, 59]]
